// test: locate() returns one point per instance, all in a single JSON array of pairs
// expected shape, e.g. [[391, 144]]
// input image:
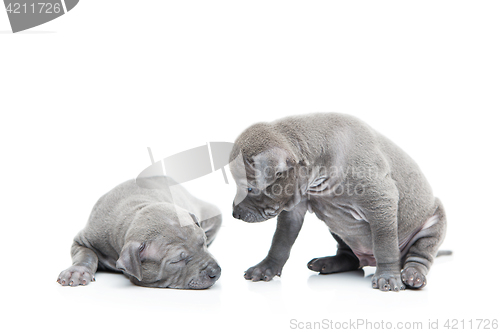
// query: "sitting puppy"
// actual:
[[371, 194], [140, 231]]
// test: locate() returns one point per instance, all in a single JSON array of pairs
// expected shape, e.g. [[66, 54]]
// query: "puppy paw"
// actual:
[[264, 271], [335, 264], [413, 277], [75, 276], [387, 282]]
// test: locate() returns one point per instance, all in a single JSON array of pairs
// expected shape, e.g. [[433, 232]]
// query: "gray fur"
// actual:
[[370, 193], [136, 230]]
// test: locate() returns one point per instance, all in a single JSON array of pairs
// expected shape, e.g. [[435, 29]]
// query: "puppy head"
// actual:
[[267, 183], [177, 257]]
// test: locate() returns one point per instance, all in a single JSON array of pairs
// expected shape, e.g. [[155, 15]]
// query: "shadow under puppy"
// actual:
[[155, 242]]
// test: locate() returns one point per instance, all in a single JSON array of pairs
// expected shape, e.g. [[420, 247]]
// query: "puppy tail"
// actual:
[[444, 253]]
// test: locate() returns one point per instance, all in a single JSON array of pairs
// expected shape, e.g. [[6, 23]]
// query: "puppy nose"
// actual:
[[237, 212], [214, 272]]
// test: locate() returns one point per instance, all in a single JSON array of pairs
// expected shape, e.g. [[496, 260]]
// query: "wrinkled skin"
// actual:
[[373, 197], [137, 231], [173, 263], [266, 190]]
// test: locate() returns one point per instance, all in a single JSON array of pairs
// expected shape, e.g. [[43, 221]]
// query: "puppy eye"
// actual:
[[181, 258], [249, 189], [176, 261]]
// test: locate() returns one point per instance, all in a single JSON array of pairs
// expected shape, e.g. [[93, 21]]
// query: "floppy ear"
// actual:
[[299, 190], [270, 165], [130, 259], [185, 217], [195, 219]]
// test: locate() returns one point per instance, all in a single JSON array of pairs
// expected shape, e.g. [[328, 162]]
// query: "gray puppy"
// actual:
[[138, 230], [375, 200]]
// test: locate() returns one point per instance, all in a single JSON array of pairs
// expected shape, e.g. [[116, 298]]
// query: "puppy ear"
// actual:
[[130, 259], [195, 219], [300, 188], [185, 217], [270, 165], [298, 194]]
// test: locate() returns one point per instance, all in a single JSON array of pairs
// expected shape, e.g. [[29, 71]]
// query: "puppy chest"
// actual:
[[346, 221]]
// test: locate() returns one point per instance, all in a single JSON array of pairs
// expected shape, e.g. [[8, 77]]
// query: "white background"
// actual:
[[82, 97]]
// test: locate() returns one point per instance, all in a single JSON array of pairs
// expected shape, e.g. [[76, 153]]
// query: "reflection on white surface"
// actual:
[[299, 294]]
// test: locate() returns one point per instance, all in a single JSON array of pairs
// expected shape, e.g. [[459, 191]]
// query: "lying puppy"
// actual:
[[371, 194], [138, 230]]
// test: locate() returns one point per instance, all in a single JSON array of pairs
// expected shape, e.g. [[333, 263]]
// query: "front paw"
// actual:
[[387, 282], [264, 271], [75, 276]]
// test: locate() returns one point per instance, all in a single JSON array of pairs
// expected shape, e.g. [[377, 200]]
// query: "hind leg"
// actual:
[[421, 254], [344, 261]]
